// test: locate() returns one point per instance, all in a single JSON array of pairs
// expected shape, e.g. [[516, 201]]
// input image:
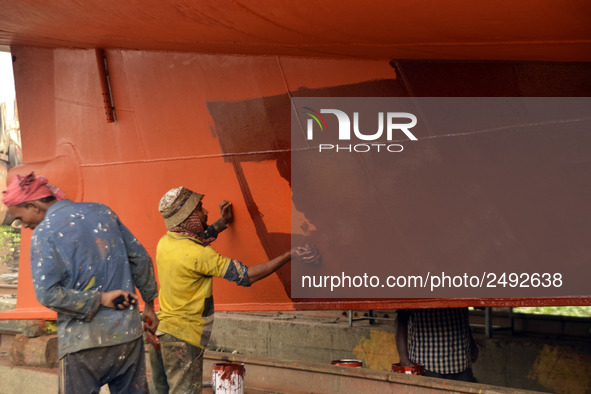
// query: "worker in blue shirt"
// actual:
[[85, 265]]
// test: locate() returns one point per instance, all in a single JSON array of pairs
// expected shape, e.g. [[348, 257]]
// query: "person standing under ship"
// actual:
[[85, 264], [438, 338], [186, 267]]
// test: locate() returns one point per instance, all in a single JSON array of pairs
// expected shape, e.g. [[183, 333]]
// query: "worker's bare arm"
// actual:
[[304, 254]]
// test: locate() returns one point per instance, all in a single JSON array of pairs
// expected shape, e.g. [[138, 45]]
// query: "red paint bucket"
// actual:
[[414, 369], [347, 363], [228, 378]]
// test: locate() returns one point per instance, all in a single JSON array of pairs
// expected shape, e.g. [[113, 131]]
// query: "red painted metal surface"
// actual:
[[219, 124], [382, 29]]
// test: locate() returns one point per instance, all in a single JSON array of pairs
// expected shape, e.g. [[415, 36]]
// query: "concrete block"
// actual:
[[34, 352], [319, 341], [34, 328]]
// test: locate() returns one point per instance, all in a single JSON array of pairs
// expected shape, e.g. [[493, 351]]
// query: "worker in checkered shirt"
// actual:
[[440, 339]]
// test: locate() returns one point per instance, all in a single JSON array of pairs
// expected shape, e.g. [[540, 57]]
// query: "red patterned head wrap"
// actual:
[[29, 188]]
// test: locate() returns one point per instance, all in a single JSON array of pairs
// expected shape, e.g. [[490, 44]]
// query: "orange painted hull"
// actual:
[[525, 30], [219, 124]]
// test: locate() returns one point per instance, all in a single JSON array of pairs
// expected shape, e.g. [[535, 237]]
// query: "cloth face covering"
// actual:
[[193, 227]]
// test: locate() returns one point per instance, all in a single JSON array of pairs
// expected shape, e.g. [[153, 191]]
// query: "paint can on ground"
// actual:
[[347, 363], [414, 369], [228, 378]]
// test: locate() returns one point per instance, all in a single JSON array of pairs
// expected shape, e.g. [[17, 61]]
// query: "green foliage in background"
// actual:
[[10, 240], [9, 235], [576, 311]]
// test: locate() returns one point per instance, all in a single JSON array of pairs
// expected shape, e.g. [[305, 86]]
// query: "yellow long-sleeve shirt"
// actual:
[[185, 271]]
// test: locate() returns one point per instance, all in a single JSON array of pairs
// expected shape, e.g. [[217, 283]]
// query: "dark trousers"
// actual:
[[122, 367], [464, 376], [178, 367]]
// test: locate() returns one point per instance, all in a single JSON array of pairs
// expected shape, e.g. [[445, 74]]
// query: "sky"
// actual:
[[7, 82]]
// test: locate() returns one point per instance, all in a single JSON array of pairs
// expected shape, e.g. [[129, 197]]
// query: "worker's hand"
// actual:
[[110, 299], [150, 319], [226, 211], [307, 254]]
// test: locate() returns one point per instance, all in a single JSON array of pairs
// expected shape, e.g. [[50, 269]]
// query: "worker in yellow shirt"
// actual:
[[186, 267]]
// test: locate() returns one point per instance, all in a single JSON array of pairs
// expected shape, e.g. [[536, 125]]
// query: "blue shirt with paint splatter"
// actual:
[[78, 251]]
